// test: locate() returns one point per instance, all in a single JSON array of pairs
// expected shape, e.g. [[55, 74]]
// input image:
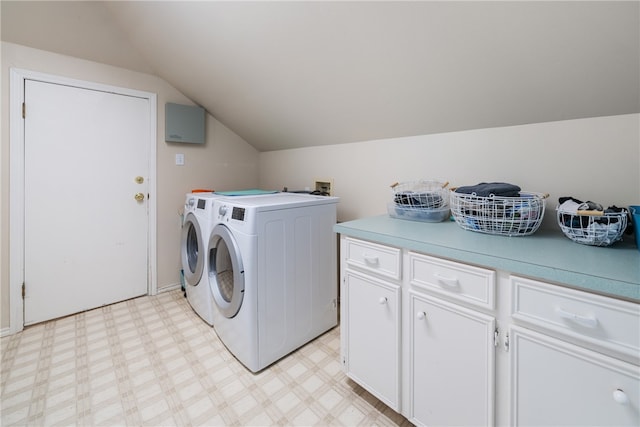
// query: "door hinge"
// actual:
[[506, 343], [24, 291], [24, 110], [496, 337]]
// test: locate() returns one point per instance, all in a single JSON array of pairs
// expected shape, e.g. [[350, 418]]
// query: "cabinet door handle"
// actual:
[[382, 300], [421, 315], [588, 321], [449, 281], [370, 259], [620, 396]]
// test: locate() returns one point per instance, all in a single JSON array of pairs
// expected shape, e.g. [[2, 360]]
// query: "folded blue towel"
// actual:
[[486, 189]]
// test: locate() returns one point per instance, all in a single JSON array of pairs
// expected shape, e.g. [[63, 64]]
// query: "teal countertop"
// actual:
[[547, 254]]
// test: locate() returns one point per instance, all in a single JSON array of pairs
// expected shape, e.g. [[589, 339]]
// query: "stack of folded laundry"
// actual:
[[487, 189]]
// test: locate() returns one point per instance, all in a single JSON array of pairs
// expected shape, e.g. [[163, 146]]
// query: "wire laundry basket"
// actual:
[[426, 201], [506, 216], [420, 194], [600, 229]]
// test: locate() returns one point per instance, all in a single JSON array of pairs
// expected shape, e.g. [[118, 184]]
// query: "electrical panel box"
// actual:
[[184, 123]]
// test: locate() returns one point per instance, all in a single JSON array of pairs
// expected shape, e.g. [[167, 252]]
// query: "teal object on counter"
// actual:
[[251, 192], [635, 217]]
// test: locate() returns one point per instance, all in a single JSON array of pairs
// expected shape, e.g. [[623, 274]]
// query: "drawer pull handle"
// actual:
[[621, 397], [449, 281], [421, 315], [588, 321], [371, 260], [382, 300]]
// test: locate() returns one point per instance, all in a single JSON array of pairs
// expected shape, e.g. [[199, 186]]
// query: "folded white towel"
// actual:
[[569, 206]]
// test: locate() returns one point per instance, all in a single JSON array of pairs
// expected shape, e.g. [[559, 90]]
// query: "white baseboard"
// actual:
[[169, 288]]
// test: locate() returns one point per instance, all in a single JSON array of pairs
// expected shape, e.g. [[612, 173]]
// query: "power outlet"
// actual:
[[324, 185]]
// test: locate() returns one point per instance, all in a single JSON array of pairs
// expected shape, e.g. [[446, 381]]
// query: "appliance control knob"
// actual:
[[191, 201], [222, 210]]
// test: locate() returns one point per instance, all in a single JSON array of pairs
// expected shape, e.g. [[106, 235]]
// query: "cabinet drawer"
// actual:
[[459, 281], [604, 323], [383, 260]]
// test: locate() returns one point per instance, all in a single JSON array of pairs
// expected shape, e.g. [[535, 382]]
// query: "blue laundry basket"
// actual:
[[635, 217]]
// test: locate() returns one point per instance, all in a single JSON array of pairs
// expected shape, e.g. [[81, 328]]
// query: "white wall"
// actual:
[[596, 159], [224, 162]]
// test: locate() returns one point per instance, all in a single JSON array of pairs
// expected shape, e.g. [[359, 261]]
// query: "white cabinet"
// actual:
[[451, 347], [451, 364], [449, 355], [555, 383], [370, 319], [570, 357], [446, 343]]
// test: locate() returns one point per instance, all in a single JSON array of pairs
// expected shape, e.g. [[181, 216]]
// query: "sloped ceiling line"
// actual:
[[292, 74]]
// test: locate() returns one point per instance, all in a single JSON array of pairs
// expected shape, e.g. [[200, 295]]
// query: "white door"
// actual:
[[555, 383], [452, 362], [372, 330], [86, 236]]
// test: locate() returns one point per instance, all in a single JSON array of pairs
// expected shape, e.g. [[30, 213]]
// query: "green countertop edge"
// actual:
[[546, 255]]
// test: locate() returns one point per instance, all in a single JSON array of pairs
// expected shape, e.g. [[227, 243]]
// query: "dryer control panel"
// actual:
[[237, 213]]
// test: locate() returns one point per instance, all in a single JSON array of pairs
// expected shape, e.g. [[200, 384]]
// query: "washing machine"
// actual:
[[196, 228], [272, 273]]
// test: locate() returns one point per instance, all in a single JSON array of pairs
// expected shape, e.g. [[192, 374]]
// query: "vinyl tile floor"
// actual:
[[151, 361]]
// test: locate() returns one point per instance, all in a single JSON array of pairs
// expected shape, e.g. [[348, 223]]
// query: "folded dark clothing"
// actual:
[[424, 200], [615, 209], [486, 189]]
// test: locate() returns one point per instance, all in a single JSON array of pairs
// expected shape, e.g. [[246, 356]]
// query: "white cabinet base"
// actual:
[[371, 328], [451, 364], [555, 383]]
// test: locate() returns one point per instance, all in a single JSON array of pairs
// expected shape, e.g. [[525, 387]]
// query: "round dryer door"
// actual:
[[226, 271], [192, 251]]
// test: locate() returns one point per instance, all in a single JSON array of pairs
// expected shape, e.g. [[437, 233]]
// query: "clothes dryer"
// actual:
[[196, 228], [272, 273]]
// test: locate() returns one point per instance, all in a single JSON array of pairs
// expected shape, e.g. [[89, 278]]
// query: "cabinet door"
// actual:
[[372, 335], [451, 364], [555, 383]]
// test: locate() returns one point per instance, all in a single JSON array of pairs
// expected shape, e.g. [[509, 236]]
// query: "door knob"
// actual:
[[139, 197], [139, 180]]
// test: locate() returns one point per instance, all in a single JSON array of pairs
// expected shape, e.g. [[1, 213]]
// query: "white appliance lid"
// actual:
[[279, 200]]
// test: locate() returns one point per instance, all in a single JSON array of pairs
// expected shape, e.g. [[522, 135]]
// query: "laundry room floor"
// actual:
[[151, 361]]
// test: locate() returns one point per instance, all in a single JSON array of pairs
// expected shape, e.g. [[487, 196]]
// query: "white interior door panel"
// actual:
[[86, 236]]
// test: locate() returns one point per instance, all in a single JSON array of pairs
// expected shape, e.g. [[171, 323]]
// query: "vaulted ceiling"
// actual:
[[293, 74]]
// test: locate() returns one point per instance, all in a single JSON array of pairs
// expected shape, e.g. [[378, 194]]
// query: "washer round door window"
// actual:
[[226, 271], [192, 253]]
